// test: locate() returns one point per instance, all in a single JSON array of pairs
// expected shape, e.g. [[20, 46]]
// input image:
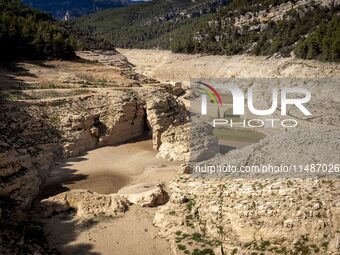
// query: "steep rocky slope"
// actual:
[[271, 27], [252, 216], [306, 29], [58, 109], [35, 131], [40, 122], [149, 24], [234, 215]]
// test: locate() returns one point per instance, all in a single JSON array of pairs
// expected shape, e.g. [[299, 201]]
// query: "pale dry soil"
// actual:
[[132, 234], [106, 170], [166, 66]]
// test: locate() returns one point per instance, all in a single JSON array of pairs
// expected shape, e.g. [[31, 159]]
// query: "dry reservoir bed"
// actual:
[[105, 171]]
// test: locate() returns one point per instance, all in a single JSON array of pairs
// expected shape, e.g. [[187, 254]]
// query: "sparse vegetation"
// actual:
[[35, 95], [203, 252], [181, 247], [191, 203]]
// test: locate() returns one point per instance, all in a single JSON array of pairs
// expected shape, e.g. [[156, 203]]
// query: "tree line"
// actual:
[[29, 33]]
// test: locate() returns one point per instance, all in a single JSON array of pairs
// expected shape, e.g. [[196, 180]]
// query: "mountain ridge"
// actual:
[[303, 28], [71, 8]]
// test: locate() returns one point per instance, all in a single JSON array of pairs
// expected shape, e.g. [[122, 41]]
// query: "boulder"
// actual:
[[188, 142], [146, 194], [87, 204]]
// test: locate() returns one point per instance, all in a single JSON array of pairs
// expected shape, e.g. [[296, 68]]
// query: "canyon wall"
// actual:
[[36, 133]]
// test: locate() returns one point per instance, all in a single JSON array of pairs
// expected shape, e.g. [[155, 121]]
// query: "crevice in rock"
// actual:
[[101, 128]]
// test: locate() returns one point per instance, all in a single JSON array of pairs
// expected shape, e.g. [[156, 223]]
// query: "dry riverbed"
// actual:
[[105, 171]]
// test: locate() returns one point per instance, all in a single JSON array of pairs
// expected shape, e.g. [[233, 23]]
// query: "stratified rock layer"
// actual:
[[188, 142], [87, 204], [254, 215], [34, 133]]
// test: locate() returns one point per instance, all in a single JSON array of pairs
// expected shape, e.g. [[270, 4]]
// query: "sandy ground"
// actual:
[[133, 234], [54, 74], [106, 170]]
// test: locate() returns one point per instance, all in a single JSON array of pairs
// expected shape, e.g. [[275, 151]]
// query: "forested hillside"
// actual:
[[150, 24], [74, 8], [308, 29], [28, 33]]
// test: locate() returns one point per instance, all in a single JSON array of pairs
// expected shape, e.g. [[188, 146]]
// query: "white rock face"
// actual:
[[90, 204], [33, 137], [145, 194], [87, 204], [245, 215], [299, 147], [188, 142]]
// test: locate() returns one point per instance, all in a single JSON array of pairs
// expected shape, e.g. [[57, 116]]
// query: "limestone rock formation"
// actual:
[[90, 204], [35, 133], [188, 142], [163, 110], [175, 143], [145, 194], [87, 204], [254, 215], [294, 148]]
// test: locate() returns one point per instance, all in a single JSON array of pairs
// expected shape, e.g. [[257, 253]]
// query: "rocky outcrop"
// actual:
[[175, 143], [27, 149], [100, 121], [87, 204], [252, 215], [34, 133], [188, 142], [245, 216], [145, 194], [162, 111], [192, 10]]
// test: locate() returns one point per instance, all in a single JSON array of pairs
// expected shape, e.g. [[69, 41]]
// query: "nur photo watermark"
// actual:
[[251, 127]]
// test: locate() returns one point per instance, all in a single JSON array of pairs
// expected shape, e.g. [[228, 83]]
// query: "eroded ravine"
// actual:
[[256, 215], [37, 133], [105, 171], [64, 144]]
